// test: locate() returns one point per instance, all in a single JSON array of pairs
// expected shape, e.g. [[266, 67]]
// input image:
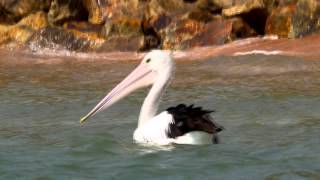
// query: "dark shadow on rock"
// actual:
[[151, 39], [256, 18], [62, 11]]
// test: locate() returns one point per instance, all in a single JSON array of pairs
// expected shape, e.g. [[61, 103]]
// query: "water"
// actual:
[[269, 106]]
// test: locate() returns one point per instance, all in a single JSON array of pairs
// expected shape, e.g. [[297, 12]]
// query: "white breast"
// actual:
[[154, 132]]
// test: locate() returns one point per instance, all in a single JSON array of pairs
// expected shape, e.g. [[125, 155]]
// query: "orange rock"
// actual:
[[23, 30], [122, 27], [279, 21], [35, 21], [214, 33], [244, 7], [15, 10], [96, 10], [129, 43], [190, 33]]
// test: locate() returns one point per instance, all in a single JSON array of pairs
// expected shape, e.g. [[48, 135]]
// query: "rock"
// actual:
[[214, 33], [279, 21], [132, 25], [240, 29], [159, 7], [203, 16], [86, 32], [178, 32], [60, 39], [223, 3], [167, 23], [65, 10], [253, 13], [14, 36], [35, 21], [123, 34], [295, 20], [73, 36], [133, 43], [11, 11], [306, 19], [242, 8], [282, 3], [96, 9], [151, 29], [115, 9], [190, 33], [214, 6], [256, 19], [20, 33], [273, 4], [122, 27], [158, 16]]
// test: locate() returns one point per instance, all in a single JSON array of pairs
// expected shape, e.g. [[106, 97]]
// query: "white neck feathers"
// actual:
[[151, 103]]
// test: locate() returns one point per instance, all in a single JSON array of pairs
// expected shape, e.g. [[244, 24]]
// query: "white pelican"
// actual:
[[181, 124]]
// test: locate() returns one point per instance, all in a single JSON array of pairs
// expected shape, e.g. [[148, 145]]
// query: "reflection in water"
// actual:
[[269, 106]]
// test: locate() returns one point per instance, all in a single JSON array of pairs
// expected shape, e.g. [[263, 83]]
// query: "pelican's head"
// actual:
[[158, 60], [155, 64]]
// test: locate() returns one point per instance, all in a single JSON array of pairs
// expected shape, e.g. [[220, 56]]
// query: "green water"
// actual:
[[269, 106]]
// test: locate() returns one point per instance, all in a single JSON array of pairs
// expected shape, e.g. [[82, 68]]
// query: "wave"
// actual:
[[307, 48]]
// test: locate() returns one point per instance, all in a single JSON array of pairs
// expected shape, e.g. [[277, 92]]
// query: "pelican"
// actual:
[[179, 124]]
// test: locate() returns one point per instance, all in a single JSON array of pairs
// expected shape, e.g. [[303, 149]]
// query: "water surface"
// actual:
[[269, 106]]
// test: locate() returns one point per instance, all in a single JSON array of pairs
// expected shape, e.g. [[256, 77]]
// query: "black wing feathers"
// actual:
[[190, 118]]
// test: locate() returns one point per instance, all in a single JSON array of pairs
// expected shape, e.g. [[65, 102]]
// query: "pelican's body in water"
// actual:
[[180, 124]]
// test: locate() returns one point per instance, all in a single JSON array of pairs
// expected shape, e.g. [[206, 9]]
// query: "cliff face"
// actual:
[[138, 25]]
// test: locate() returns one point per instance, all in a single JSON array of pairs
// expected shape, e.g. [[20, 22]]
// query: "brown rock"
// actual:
[[159, 19], [11, 11], [58, 38], [242, 8], [159, 7], [115, 9], [282, 3], [35, 21], [157, 23], [123, 34], [214, 33], [167, 23], [190, 33], [223, 3], [203, 16], [82, 26], [20, 33], [213, 6], [122, 27], [86, 32], [132, 43], [240, 29], [279, 21], [306, 19], [176, 33], [96, 9], [64, 10]]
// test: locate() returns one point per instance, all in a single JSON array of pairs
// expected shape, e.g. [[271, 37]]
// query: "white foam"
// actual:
[[258, 52]]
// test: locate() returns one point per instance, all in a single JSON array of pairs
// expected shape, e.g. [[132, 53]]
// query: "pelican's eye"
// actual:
[[148, 60]]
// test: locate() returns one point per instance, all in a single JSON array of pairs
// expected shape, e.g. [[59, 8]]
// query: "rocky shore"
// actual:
[[139, 25]]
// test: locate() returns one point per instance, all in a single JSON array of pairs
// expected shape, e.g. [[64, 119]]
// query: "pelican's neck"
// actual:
[[151, 103]]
